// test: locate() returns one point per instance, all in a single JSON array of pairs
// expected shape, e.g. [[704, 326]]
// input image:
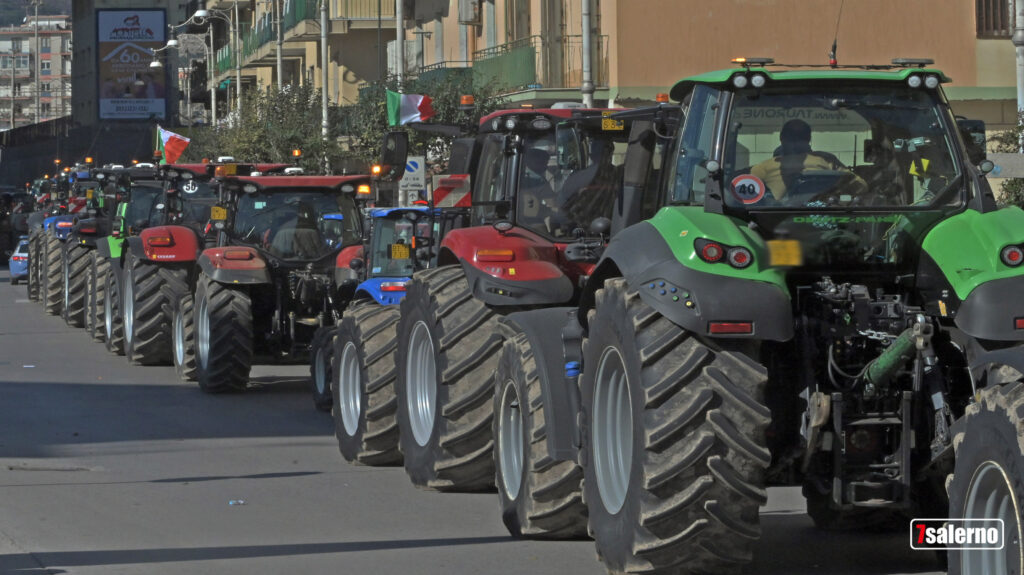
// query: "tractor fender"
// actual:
[[343, 272], [529, 276], [183, 245], [555, 337], [373, 289], [234, 265], [641, 256]]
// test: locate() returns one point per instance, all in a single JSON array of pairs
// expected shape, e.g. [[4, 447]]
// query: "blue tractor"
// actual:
[[401, 242]]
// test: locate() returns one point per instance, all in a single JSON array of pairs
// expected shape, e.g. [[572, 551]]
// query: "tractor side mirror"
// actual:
[[973, 133], [356, 264], [393, 155], [600, 226]]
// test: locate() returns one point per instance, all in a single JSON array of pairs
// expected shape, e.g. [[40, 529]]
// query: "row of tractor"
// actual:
[[630, 323]]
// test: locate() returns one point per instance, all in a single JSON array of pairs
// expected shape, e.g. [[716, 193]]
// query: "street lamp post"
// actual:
[[201, 17], [35, 26], [208, 50]]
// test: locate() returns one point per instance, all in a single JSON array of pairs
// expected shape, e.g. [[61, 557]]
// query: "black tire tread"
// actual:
[[77, 258], [231, 344], [704, 454], [324, 338], [552, 493], [156, 287], [467, 353], [184, 305], [98, 290], [372, 329], [53, 286]]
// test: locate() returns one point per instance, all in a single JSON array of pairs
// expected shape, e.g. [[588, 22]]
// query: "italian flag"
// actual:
[[170, 146], [405, 108]]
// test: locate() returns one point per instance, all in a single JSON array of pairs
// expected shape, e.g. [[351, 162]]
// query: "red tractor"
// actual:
[[543, 185], [273, 279]]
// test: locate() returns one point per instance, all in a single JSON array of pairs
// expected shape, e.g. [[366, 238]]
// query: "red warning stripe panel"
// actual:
[[452, 191]]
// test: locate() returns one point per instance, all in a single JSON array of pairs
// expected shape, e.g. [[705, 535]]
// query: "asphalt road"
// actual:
[[107, 468]]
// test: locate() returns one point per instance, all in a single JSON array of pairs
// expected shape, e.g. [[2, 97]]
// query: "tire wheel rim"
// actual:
[[349, 389], [510, 441], [612, 430], [421, 392], [989, 496], [202, 320], [179, 338], [320, 370], [129, 307]]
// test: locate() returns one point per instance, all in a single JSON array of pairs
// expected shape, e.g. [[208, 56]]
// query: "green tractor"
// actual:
[[827, 297]]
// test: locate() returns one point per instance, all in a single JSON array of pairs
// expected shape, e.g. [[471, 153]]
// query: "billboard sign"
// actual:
[[128, 88]]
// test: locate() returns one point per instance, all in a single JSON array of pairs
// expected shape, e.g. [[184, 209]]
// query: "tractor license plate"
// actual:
[[610, 124], [785, 253], [399, 252], [218, 213], [88, 194]]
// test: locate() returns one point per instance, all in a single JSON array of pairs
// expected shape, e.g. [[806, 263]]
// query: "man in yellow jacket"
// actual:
[[794, 157]]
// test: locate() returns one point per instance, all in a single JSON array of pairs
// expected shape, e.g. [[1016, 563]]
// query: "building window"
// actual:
[[45, 108], [21, 62], [44, 65], [17, 89], [994, 18], [16, 45], [44, 42], [5, 62], [45, 87]]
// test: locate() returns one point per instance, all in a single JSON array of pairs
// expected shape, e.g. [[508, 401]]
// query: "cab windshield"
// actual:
[[883, 150], [297, 224], [142, 199], [568, 180], [393, 252]]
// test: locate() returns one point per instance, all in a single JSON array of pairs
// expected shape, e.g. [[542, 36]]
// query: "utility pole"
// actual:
[[380, 39], [400, 41], [1018, 43], [36, 4], [236, 33], [12, 89], [213, 86], [324, 126], [587, 87], [280, 44]]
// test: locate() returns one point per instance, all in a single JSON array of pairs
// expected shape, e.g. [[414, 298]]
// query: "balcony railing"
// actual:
[[362, 9], [445, 69], [537, 62]]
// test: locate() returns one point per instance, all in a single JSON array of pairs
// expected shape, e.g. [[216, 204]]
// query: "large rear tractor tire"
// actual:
[[364, 385], [32, 281], [183, 336], [113, 326], [223, 329], [95, 324], [149, 290], [53, 277], [321, 352], [539, 496], [988, 478], [76, 267], [674, 442], [447, 350]]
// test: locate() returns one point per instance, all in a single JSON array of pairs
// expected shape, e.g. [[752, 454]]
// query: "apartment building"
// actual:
[[35, 71]]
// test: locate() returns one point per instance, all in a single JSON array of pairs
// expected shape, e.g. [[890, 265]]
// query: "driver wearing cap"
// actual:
[[792, 158]]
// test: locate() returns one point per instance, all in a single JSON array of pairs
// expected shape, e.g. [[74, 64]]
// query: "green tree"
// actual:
[[1009, 142]]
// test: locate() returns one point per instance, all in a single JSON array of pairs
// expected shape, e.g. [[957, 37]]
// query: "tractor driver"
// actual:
[[793, 157]]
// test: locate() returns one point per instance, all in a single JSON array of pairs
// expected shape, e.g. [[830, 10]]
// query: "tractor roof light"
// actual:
[[931, 81], [510, 123], [748, 62], [912, 62], [376, 169], [541, 123], [914, 81], [250, 188], [661, 97], [296, 153], [758, 80], [467, 102], [364, 190], [739, 81]]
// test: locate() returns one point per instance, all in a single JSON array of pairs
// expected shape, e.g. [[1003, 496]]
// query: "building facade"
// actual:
[[35, 71]]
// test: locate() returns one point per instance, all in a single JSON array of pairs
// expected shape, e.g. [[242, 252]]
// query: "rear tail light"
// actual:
[[714, 252], [160, 241], [64, 225], [495, 255], [87, 230], [740, 257], [23, 258], [731, 327], [392, 286], [238, 255], [1018, 323], [1012, 256]]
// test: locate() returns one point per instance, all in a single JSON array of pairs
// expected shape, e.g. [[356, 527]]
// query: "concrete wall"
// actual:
[[658, 42]]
